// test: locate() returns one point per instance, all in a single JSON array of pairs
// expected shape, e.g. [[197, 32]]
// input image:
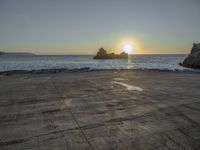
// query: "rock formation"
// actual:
[[123, 54], [193, 59], [102, 54]]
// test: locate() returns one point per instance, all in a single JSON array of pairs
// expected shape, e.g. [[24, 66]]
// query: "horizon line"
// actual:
[[90, 54]]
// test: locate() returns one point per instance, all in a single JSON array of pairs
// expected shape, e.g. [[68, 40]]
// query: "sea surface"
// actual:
[[37, 62]]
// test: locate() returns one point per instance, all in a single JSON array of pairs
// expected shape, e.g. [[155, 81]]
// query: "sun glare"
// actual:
[[128, 48]]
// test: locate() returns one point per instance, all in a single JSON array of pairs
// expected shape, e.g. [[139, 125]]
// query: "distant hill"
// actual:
[[16, 53], [2, 53]]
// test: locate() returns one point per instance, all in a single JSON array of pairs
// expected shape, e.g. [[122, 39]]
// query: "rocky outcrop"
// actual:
[[102, 54], [123, 54], [193, 59]]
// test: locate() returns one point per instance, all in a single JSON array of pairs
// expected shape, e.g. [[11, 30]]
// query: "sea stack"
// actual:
[[193, 59], [102, 54]]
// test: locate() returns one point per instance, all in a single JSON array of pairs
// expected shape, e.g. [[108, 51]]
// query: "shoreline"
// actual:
[[87, 69]]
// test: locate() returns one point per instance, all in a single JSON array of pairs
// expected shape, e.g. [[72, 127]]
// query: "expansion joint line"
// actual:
[[73, 116], [61, 131]]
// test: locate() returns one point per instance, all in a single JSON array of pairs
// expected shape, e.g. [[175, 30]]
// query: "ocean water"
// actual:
[[163, 62]]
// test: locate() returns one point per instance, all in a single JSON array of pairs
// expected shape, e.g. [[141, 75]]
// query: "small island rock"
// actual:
[[193, 59], [123, 54], [102, 54]]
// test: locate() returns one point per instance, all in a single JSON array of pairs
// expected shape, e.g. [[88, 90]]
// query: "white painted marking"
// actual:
[[84, 95], [119, 79], [129, 87]]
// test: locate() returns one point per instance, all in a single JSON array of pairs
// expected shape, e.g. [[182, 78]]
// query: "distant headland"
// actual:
[[16, 53], [102, 54]]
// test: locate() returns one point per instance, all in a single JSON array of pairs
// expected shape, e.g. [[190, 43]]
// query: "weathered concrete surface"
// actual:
[[87, 111]]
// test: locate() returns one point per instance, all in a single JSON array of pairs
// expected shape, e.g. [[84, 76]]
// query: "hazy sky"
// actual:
[[82, 26]]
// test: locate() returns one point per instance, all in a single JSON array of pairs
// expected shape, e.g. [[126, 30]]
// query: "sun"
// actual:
[[128, 48]]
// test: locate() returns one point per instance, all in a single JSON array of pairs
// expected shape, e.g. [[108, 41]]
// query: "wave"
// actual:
[[87, 69]]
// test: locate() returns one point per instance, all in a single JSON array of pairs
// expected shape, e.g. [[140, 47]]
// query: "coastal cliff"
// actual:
[[102, 54], [193, 59]]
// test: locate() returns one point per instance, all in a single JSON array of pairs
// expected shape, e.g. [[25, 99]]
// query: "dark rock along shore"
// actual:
[[193, 59]]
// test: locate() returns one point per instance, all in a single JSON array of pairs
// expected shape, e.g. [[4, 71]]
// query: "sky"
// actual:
[[83, 26]]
